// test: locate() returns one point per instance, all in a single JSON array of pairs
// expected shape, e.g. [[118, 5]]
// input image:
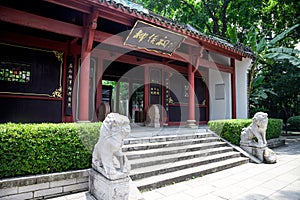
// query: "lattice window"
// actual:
[[15, 72]]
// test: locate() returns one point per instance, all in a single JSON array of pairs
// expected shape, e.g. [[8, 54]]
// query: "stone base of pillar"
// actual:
[[256, 151], [191, 124], [103, 189]]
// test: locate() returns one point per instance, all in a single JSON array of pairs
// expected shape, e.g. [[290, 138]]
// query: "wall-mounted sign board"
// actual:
[[153, 38]]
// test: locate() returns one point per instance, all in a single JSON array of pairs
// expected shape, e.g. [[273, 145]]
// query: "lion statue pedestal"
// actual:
[[108, 178], [257, 129]]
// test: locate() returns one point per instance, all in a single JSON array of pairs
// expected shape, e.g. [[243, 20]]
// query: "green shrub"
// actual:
[[28, 149], [294, 123], [274, 128], [231, 129]]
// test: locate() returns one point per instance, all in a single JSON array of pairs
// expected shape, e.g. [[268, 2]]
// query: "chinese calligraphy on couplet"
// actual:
[[69, 86], [153, 38]]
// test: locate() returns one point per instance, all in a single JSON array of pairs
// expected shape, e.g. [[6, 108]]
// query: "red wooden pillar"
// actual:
[[84, 87], [191, 122], [233, 89], [90, 24], [99, 84]]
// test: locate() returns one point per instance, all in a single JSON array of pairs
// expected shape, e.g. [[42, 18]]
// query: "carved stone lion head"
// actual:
[[260, 119], [116, 123]]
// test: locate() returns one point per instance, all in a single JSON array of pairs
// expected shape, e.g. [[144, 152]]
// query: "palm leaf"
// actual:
[[284, 50], [282, 35], [257, 81], [283, 56], [261, 45]]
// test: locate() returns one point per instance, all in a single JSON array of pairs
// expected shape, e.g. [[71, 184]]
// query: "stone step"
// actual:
[[184, 174], [170, 158], [160, 160], [166, 138], [155, 145], [172, 150], [164, 168]]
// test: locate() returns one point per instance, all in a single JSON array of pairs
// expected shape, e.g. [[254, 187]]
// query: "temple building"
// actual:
[[75, 60]]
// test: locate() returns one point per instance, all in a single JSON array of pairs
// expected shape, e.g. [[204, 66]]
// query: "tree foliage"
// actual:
[[231, 19], [283, 79], [266, 50], [275, 68]]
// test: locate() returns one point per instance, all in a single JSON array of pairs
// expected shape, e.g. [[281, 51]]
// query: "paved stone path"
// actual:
[[251, 181]]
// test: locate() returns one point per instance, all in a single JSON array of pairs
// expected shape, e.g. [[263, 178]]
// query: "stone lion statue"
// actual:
[[114, 129], [256, 129]]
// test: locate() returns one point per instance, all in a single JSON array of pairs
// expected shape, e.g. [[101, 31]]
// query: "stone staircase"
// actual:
[[161, 160]]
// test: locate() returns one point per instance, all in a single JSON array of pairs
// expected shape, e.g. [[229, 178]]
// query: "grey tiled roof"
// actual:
[[185, 29]]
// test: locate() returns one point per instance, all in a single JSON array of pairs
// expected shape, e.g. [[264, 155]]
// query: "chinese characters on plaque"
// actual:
[[186, 91], [153, 38], [69, 86], [155, 86], [154, 91], [167, 95]]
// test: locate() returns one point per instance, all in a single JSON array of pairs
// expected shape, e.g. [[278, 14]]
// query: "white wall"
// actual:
[[219, 58], [241, 69], [222, 108], [219, 108]]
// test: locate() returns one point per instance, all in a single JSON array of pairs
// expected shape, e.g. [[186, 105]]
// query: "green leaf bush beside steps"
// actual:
[[294, 123], [230, 129], [28, 149]]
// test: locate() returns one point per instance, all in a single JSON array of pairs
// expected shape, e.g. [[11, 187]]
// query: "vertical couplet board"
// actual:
[[155, 86]]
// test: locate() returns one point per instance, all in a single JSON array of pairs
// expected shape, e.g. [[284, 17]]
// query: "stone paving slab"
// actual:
[[250, 181]]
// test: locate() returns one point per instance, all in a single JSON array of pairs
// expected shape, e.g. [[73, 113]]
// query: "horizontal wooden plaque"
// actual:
[[153, 38]]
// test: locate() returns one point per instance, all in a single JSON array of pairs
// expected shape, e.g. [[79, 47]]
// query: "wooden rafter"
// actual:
[[76, 5], [34, 21]]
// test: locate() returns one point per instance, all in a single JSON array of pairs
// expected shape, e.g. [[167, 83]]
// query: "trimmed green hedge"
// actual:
[[28, 149], [294, 123], [231, 129]]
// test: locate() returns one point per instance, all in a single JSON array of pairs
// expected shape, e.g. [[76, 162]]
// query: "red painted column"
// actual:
[[84, 87], [191, 122], [90, 24], [84, 78], [99, 83]]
